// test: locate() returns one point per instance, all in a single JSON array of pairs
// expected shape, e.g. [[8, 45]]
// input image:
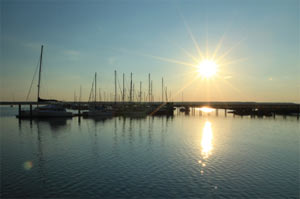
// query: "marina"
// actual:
[[139, 108], [150, 99], [251, 108]]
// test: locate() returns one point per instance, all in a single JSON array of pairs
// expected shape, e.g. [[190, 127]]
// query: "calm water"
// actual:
[[197, 156]]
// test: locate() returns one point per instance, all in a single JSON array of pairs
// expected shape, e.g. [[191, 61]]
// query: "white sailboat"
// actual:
[[98, 111], [51, 110]]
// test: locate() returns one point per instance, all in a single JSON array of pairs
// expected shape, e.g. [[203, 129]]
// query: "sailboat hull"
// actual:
[[44, 114], [97, 114]]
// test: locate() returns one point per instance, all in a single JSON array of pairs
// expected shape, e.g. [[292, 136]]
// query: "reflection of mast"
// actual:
[[124, 125], [162, 132], [115, 144], [40, 154], [140, 128], [167, 121], [150, 131], [130, 131]]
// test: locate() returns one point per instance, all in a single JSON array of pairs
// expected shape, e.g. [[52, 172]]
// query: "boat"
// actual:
[[47, 111], [53, 109], [164, 109], [182, 109], [98, 111], [136, 111]]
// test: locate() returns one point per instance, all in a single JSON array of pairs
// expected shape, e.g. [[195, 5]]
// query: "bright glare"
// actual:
[[206, 141], [206, 109], [207, 68]]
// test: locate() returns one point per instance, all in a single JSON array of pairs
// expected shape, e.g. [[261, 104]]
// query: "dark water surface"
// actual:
[[183, 156]]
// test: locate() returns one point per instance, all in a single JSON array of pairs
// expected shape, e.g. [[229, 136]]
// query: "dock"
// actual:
[[246, 108]]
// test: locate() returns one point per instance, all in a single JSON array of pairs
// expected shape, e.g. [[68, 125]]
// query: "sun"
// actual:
[[207, 68]]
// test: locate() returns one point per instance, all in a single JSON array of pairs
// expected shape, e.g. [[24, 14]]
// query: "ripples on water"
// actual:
[[155, 157]]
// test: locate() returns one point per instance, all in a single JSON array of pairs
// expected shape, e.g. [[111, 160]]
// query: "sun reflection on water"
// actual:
[[206, 109], [206, 141]]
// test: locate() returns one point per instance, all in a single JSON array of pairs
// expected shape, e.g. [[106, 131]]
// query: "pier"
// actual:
[[242, 108]]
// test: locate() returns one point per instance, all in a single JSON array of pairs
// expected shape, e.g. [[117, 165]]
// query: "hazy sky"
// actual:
[[256, 45]]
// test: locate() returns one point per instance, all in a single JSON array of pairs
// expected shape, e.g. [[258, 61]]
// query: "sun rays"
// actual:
[[206, 65]]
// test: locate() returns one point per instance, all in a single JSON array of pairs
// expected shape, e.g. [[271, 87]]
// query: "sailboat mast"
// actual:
[[133, 92], [162, 89], [140, 91], [80, 94], [99, 90], [123, 94], [95, 87], [130, 99], [115, 86], [40, 71], [152, 98], [149, 87], [166, 94]]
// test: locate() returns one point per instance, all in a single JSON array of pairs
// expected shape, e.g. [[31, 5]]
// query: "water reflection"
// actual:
[[206, 141], [205, 109], [54, 123], [98, 119]]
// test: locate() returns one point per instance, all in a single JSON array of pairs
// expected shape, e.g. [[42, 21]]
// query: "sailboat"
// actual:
[[136, 111], [98, 111], [51, 110]]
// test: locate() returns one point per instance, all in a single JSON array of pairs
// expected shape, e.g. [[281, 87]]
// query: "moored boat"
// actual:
[[47, 111], [97, 111], [51, 110], [135, 110]]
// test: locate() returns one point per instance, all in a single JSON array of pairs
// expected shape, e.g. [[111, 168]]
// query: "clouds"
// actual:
[[33, 45], [72, 55], [112, 60]]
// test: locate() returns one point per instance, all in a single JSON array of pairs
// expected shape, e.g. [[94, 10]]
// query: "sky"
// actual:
[[255, 44]]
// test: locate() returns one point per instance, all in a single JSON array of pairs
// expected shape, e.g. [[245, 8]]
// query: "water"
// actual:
[[196, 156]]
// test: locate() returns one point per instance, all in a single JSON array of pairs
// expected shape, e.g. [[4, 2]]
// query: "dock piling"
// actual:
[[30, 110], [19, 110], [79, 110]]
